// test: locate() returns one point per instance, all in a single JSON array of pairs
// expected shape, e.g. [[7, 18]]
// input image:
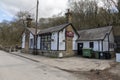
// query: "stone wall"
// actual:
[[69, 42], [54, 54]]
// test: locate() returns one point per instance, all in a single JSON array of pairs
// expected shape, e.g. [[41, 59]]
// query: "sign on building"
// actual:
[[69, 34]]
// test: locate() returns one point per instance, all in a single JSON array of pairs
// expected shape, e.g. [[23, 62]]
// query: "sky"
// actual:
[[47, 8]]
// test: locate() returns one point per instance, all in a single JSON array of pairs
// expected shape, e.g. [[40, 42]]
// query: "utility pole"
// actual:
[[35, 42]]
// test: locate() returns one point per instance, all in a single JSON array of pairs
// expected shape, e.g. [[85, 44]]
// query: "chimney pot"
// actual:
[[29, 20], [68, 16]]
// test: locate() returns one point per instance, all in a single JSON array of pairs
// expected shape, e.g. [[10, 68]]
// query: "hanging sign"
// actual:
[[69, 34]]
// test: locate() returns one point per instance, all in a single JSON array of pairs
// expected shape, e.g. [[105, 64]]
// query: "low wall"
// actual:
[[49, 53], [53, 53]]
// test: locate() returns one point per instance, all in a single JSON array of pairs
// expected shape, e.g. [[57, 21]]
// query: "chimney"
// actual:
[[27, 34], [68, 16], [29, 20]]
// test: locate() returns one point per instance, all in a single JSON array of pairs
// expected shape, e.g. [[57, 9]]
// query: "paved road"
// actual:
[[17, 68], [71, 63]]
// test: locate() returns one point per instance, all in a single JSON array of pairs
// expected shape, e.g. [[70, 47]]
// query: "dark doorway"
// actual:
[[80, 46]]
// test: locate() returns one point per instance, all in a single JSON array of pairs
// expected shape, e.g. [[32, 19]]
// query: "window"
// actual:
[[91, 44], [46, 42], [31, 43]]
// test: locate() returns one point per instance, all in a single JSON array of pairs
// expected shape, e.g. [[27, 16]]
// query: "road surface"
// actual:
[[13, 67]]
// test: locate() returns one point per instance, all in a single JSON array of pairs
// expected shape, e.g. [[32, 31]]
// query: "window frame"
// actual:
[[91, 44], [45, 42]]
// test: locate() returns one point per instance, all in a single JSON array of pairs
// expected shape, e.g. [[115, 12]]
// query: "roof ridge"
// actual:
[[52, 29], [55, 26], [95, 28], [95, 33]]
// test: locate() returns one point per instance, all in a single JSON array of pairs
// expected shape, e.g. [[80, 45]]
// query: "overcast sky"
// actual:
[[47, 8]]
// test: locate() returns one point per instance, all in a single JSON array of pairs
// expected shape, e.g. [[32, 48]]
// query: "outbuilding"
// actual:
[[98, 39]]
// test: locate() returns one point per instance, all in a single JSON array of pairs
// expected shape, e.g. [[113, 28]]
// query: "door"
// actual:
[[80, 46]]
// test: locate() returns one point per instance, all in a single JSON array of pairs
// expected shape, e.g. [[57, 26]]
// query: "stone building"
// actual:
[[64, 40], [53, 41]]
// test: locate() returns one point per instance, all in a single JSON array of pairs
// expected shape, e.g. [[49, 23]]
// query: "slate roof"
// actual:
[[53, 29], [94, 34], [32, 30], [49, 30]]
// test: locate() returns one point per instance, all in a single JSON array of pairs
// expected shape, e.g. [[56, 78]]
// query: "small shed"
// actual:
[[99, 39]]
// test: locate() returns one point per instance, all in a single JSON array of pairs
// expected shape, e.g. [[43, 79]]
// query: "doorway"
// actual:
[[80, 47]]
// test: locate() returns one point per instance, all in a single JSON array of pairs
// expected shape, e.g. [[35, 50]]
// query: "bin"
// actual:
[[96, 54], [102, 55], [107, 55], [87, 52]]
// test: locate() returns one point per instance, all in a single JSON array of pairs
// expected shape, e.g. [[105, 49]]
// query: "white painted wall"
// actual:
[[86, 44], [61, 38], [105, 42], [97, 45], [111, 38], [54, 42], [105, 45], [100, 45], [23, 40], [38, 42], [31, 36], [74, 41], [31, 44]]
